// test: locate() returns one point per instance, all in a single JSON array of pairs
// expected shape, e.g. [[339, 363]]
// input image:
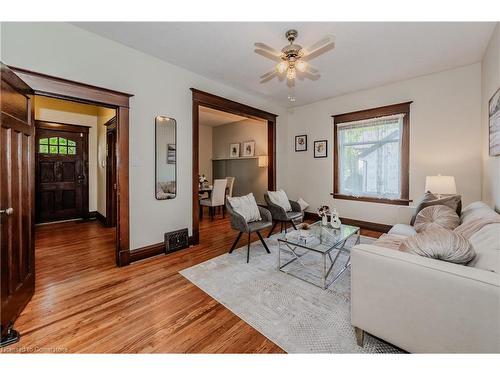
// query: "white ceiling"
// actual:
[[212, 117], [366, 55]]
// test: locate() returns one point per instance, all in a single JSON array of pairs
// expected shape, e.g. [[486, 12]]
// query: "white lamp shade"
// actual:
[[440, 184], [263, 161]]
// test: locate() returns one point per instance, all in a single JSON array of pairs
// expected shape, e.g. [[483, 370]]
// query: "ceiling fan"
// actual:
[[293, 60]]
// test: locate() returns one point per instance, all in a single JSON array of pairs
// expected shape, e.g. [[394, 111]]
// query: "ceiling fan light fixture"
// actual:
[[282, 67], [290, 74], [301, 66]]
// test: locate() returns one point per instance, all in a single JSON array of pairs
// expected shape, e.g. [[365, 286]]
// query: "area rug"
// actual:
[[295, 315]]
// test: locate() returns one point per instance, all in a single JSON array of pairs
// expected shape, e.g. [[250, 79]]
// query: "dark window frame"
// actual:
[[388, 110]]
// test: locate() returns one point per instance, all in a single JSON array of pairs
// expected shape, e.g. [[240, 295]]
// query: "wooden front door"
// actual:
[[17, 179], [61, 172]]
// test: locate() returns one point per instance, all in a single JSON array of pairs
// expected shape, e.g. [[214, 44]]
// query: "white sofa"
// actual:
[[423, 305]]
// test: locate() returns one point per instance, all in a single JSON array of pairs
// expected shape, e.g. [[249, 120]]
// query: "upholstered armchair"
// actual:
[[239, 223], [279, 215]]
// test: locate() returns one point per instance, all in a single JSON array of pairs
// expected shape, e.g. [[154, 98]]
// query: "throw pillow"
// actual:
[[303, 204], [246, 206], [442, 244], [452, 201], [279, 198], [436, 216]]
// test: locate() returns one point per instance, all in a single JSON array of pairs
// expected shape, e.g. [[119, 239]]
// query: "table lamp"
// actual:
[[440, 185]]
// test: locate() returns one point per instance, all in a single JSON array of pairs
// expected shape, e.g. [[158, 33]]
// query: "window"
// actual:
[[56, 145], [371, 155]]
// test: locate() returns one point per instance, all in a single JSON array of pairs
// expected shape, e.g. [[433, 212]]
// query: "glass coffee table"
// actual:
[[313, 257]]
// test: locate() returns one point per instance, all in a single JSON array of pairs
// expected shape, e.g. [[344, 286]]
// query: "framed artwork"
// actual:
[[494, 124], [300, 143], [234, 150], [171, 157], [321, 148], [248, 148]]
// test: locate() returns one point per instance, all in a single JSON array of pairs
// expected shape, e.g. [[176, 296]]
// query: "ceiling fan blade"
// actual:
[[311, 76], [311, 70], [267, 54], [267, 48], [322, 46], [268, 76]]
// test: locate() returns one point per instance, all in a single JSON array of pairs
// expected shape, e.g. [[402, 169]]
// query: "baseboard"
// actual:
[[97, 215], [151, 251], [384, 228]]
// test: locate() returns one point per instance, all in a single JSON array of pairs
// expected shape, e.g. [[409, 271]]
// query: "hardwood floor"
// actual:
[[83, 303]]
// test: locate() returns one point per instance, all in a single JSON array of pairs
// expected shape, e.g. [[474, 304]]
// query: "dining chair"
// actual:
[[230, 184], [217, 198]]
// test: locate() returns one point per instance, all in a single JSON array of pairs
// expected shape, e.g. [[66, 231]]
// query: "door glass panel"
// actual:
[[63, 150], [72, 150], [62, 141], [53, 149], [71, 143], [44, 149], [53, 140], [44, 141]]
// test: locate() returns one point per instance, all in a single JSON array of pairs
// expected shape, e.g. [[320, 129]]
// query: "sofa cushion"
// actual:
[[437, 216], [486, 243], [279, 198], [246, 206], [390, 241], [402, 230], [477, 210], [442, 244], [452, 201]]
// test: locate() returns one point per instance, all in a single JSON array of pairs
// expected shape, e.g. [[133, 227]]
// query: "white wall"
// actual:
[[205, 152], [490, 83], [445, 137], [159, 88], [48, 109]]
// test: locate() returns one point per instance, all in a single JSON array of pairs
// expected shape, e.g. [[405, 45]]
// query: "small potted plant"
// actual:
[[203, 181], [323, 213]]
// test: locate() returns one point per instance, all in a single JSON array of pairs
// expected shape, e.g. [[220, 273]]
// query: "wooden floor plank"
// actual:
[[83, 303]]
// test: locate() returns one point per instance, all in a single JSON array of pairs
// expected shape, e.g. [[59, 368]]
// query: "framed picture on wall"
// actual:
[[234, 150], [321, 149], [171, 158], [300, 143], [494, 124], [248, 148]]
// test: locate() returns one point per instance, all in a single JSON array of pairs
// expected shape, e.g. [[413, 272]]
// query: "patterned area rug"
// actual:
[[297, 316]]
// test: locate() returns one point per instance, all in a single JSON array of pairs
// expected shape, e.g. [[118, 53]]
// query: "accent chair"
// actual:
[[283, 217]]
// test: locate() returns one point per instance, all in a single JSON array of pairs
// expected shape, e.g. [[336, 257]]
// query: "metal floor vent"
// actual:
[[176, 240]]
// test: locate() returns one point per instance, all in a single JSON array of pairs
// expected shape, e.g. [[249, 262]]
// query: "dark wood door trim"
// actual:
[[61, 88], [205, 99], [45, 125], [110, 220]]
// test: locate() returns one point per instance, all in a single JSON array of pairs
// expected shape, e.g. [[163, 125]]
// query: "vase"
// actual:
[[324, 220]]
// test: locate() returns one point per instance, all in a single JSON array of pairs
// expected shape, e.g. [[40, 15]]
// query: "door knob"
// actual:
[[8, 211]]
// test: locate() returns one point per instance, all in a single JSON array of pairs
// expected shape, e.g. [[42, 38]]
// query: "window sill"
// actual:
[[399, 202]]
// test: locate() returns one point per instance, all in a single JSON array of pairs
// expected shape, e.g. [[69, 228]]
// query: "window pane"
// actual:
[[370, 161], [62, 141], [72, 150], [44, 149], [63, 150], [71, 143], [43, 141], [53, 149], [53, 140]]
